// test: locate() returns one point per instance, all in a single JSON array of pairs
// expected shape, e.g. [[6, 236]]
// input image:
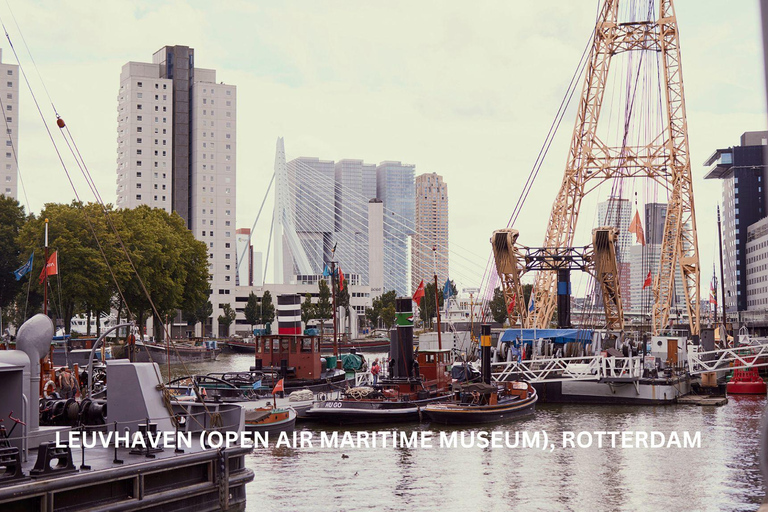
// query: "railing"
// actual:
[[737, 358], [587, 368]]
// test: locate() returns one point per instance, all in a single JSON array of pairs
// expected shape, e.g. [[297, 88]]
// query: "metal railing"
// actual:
[[586, 368], [736, 358]]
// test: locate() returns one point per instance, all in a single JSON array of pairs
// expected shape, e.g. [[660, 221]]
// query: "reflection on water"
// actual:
[[722, 475]]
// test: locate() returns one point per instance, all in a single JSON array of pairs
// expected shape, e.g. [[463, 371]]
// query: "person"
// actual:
[[67, 384], [375, 369]]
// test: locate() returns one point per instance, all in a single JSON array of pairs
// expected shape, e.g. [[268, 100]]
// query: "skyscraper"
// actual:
[[431, 230], [617, 212], [177, 151], [742, 169], [9, 102], [396, 189]]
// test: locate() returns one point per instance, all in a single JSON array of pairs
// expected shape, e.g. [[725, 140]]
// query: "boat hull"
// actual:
[[160, 354], [241, 347], [647, 392], [348, 412], [273, 428], [746, 388], [457, 414]]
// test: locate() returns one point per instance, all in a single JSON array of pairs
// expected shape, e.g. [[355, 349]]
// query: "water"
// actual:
[[722, 475]]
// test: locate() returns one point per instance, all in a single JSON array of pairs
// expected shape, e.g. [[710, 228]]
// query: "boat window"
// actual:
[[275, 345], [258, 346], [317, 344], [284, 344], [306, 345], [430, 358]]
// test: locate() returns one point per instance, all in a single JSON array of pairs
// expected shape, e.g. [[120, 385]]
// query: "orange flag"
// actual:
[[647, 281], [636, 227], [51, 268], [278, 387], [419, 294]]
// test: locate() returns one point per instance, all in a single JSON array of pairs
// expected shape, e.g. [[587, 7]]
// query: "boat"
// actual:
[[359, 344], [270, 420], [746, 382], [37, 474], [411, 383], [194, 350], [477, 402], [241, 345]]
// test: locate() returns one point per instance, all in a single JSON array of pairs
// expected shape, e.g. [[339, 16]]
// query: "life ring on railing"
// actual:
[[46, 393]]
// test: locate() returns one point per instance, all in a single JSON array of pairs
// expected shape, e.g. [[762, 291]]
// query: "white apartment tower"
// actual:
[[431, 230], [176, 151], [9, 102]]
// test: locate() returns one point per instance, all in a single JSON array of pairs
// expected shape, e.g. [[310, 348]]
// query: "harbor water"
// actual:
[[723, 474]]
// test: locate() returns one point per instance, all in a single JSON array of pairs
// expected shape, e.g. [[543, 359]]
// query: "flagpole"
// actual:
[[45, 270]]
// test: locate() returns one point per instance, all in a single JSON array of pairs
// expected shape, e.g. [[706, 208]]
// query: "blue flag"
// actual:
[[447, 289], [25, 268], [532, 305], [326, 272]]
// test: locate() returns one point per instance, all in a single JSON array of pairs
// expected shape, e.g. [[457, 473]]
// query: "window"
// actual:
[[138, 107], [138, 140], [138, 197], [9, 107], [138, 118], [139, 95], [138, 185], [138, 163], [139, 129], [10, 72], [10, 84], [138, 151], [139, 84]]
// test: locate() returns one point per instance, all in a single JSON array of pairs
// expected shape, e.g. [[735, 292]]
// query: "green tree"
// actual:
[[227, 316], [372, 315], [307, 309], [323, 308], [498, 306], [527, 289], [252, 310], [267, 310], [388, 316], [11, 222], [199, 315], [427, 307]]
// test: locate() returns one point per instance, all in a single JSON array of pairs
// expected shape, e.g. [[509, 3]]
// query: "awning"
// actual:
[[556, 335]]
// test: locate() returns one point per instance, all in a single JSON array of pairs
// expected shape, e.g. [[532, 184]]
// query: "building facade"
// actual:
[[9, 103], [742, 171], [395, 187], [177, 151], [431, 230]]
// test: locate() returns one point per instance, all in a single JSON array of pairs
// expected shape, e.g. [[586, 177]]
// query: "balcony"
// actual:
[[719, 164]]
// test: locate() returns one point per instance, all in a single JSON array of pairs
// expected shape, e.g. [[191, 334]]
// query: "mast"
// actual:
[[333, 298], [437, 302], [45, 272]]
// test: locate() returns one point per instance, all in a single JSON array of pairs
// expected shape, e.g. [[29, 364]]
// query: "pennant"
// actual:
[[419, 294], [51, 268], [341, 280], [647, 281], [278, 387], [636, 227], [511, 306], [532, 304], [25, 268]]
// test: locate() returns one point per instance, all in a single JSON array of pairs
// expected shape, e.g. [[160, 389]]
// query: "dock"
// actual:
[[702, 400]]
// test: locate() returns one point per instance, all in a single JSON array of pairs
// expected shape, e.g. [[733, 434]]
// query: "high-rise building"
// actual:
[[617, 212], [244, 275], [431, 230], [355, 186], [376, 247], [177, 151], [9, 103], [396, 189], [742, 169]]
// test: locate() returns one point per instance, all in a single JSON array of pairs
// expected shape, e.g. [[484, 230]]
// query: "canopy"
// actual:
[[556, 335]]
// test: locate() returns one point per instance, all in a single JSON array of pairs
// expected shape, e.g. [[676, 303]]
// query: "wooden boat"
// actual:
[[395, 400], [484, 403], [361, 344], [242, 346], [197, 350], [270, 420]]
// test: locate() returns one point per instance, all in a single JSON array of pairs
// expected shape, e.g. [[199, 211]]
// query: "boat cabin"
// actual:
[[297, 356], [433, 367]]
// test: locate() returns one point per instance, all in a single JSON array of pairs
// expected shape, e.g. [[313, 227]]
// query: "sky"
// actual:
[[464, 89]]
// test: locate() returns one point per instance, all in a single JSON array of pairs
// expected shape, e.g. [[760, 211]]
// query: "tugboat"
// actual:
[[484, 402], [411, 384]]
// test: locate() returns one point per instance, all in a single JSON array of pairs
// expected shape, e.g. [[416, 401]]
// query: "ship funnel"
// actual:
[[34, 339]]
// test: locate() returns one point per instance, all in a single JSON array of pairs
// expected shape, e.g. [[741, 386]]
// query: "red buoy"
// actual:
[[746, 382]]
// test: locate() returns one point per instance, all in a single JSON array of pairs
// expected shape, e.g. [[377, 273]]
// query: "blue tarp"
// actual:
[[556, 335]]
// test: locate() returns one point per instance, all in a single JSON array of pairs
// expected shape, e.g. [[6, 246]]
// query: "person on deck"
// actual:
[[375, 369], [67, 384]]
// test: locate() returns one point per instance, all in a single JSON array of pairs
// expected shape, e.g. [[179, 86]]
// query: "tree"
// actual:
[[372, 315], [227, 317], [388, 316], [427, 308], [201, 314], [12, 220], [323, 308], [267, 313], [498, 306], [252, 310], [307, 309]]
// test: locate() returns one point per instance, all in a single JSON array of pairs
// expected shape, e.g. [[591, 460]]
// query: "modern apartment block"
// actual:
[[742, 169], [431, 230], [177, 151], [9, 102], [395, 187]]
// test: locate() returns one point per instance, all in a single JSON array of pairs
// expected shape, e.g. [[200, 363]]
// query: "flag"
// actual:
[[511, 305], [278, 387], [713, 292], [419, 294], [51, 268], [532, 304], [341, 280], [647, 281], [636, 227], [25, 268], [326, 271], [447, 292]]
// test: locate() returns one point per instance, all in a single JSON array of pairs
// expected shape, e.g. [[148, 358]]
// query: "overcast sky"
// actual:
[[464, 89]]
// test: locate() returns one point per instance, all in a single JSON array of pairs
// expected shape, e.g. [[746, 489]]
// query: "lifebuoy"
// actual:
[[46, 393]]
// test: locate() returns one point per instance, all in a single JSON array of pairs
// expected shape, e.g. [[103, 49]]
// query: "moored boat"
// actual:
[[271, 420], [196, 350], [746, 382], [477, 403]]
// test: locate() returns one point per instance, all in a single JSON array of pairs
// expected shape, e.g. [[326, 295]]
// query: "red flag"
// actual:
[[51, 268], [278, 387], [511, 305], [419, 294], [647, 281], [636, 227], [341, 280]]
